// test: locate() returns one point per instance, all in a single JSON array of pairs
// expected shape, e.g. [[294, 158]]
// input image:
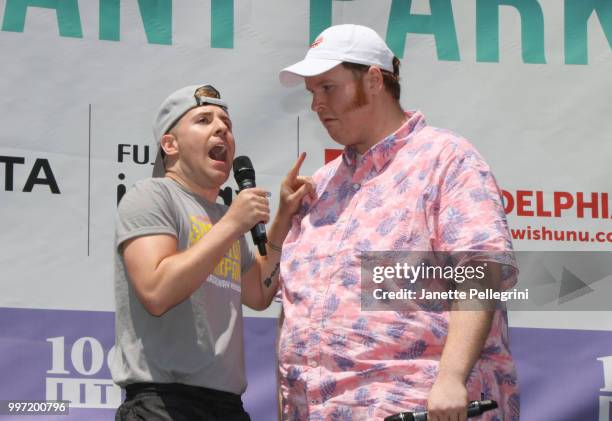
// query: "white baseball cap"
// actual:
[[341, 43]]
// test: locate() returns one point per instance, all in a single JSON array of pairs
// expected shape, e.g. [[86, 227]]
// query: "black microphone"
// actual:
[[245, 178], [474, 409]]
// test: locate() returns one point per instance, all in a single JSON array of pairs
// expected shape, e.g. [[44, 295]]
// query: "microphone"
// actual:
[[474, 409], [245, 178]]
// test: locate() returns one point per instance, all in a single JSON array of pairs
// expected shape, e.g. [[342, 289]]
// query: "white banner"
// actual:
[[528, 82]]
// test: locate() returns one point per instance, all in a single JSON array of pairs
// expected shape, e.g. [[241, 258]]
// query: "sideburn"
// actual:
[[359, 99]]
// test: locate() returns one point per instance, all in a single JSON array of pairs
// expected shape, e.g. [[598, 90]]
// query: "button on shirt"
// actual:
[[420, 189]]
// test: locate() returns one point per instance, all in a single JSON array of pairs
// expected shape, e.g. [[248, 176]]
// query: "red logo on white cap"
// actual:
[[316, 42]]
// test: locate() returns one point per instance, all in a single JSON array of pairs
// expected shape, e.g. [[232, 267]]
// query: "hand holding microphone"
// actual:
[[474, 409], [253, 202], [256, 207]]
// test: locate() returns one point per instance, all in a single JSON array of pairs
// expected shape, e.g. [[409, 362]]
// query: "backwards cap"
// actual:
[[174, 107]]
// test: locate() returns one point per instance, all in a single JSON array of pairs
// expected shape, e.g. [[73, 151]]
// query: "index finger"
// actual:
[[293, 172]]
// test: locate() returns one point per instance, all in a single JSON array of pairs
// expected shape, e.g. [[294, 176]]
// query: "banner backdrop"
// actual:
[[528, 82]]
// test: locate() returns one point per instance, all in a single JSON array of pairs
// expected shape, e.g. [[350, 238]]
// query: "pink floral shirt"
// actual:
[[420, 188]]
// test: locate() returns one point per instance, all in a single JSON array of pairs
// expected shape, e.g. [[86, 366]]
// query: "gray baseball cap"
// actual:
[[173, 108]]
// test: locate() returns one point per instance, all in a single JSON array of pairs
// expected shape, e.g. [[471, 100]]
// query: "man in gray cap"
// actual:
[[399, 185], [183, 268]]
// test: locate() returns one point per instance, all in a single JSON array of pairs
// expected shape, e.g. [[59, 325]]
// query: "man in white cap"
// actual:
[[399, 185], [183, 268]]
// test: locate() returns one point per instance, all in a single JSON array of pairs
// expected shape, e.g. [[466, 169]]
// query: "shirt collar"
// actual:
[[386, 149]]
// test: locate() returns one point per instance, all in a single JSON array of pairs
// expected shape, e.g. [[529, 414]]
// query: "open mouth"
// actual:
[[218, 153]]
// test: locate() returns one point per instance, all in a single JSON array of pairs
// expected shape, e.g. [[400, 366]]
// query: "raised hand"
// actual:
[[294, 188]]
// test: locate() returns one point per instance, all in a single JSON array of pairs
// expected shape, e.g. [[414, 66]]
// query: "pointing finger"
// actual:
[[293, 172]]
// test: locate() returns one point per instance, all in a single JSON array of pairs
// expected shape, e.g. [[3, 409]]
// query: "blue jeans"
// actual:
[[179, 402]]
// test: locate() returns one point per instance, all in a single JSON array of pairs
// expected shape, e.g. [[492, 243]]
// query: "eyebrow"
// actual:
[[203, 113], [319, 83]]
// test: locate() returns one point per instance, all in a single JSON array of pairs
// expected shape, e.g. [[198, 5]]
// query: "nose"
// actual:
[[317, 103], [220, 127]]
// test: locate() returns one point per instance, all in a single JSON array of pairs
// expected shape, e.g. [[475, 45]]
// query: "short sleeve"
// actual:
[[471, 222], [145, 209]]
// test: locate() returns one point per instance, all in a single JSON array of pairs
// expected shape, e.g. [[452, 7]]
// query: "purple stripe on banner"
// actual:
[[58, 354], [51, 354], [60, 350], [260, 398], [560, 375]]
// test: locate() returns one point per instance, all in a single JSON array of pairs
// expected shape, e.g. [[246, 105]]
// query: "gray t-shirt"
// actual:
[[199, 342]]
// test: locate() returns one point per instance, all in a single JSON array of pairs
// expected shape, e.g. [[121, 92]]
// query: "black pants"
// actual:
[[179, 402]]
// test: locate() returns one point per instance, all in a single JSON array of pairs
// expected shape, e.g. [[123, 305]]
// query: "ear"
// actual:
[[375, 80], [169, 144]]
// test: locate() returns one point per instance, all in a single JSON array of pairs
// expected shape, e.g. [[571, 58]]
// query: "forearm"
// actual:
[[271, 263], [468, 328], [260, 294], [469, 325], [467, 333], [180, 275], [262, 283]]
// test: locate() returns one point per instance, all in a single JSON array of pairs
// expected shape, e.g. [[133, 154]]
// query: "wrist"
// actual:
[[283, 218], [279, 228], [453, 376], [274, 247], [230, 227]]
